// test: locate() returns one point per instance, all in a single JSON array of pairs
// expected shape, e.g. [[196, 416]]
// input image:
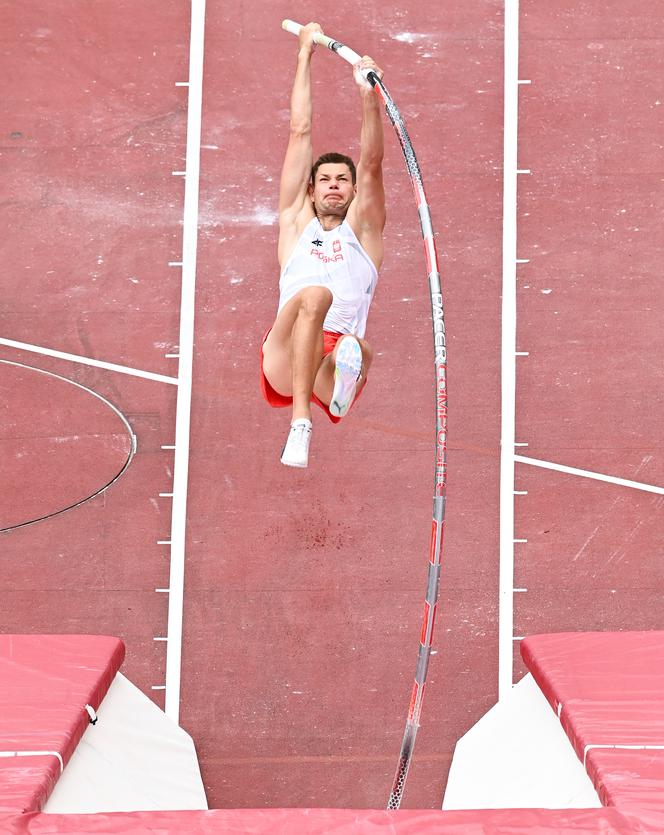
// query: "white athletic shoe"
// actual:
[[296, 448], [347, 368]]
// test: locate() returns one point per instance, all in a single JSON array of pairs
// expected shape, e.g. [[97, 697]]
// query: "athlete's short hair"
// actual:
[[334, 157]]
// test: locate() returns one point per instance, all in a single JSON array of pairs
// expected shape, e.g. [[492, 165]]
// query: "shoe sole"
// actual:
[[347, 369]]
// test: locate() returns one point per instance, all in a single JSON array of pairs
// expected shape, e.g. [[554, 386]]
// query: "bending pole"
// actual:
[[440, 369]]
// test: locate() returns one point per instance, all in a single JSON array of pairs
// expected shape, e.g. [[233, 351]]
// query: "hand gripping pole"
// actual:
[[342, 51], [440, 370]]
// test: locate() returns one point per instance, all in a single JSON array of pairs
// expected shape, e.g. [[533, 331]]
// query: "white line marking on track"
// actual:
[[523, 260], [107, 366], [508, 347], [520, 492], [175, 263], [519, 590], [158, 687], [181, 83], [520, 444], [524, 81], [160, 639], [164, 542], [520, 540], [168, 446], [186, 347], [179, 173], [622, 482], [523, 171], [163, 591], [166, 495], [523, 353]]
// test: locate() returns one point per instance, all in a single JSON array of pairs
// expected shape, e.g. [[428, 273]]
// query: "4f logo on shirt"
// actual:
[[328, 259], [317, 242]]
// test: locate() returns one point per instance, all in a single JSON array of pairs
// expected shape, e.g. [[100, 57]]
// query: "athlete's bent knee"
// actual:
[[315, 302]]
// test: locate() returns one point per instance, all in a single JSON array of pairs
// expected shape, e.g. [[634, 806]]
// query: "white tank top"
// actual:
[[335, 260]]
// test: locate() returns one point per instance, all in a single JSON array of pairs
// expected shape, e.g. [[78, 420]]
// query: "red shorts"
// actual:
[[330, 339]]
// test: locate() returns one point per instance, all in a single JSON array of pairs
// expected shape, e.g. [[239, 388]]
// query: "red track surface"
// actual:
[[590, 394], [304, 590]]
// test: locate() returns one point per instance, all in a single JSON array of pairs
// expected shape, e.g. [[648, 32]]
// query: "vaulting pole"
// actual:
[[440, 371]]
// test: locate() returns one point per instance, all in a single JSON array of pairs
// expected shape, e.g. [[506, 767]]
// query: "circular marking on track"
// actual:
[[61, 444]]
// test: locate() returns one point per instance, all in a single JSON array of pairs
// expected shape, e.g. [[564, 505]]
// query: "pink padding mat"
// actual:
[[45, 683], [630, 778], [608, 690], [343, 822]]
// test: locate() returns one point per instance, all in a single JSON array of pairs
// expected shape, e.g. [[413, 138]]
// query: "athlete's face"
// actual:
[[333, 191]]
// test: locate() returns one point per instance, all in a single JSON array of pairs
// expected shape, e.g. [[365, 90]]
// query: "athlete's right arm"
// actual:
[[296, 172]]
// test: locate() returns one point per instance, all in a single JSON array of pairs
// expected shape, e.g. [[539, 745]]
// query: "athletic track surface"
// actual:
[[303, 590]]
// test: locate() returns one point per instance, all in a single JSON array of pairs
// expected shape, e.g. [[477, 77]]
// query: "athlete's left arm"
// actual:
[[367, 211]]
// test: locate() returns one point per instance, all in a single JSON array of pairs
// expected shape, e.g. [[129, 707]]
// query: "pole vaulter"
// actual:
[[440, 370]]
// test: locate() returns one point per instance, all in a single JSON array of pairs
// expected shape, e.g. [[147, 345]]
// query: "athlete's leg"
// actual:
[[324, 383], [293, 351]]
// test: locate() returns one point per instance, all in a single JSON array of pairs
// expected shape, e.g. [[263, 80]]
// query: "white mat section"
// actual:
[[134, 759], [518, 756]]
